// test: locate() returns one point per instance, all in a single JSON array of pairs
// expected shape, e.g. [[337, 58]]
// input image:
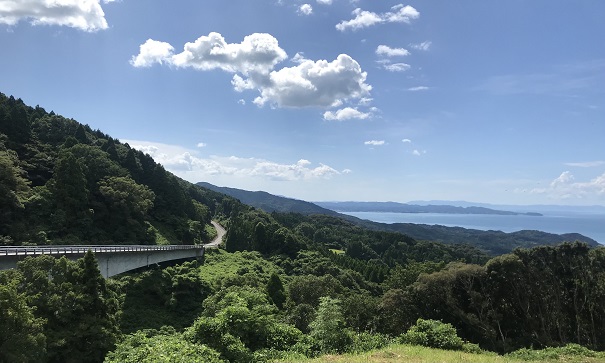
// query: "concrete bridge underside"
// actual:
[[112, 260]]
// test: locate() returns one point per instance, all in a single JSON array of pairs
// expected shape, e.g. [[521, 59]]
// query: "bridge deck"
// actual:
[[64, 250]]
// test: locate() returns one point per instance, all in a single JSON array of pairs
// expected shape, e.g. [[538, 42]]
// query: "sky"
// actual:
[[332, 100]]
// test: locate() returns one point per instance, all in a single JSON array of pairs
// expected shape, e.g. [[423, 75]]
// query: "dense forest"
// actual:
[[284, 284]]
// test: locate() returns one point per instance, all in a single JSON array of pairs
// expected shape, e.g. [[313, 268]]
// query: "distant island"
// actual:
[[394, 207]]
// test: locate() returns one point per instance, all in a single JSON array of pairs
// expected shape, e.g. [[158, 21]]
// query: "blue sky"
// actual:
[[486, 101]]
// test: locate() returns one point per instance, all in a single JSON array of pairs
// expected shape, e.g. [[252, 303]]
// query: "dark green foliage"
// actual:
[[155, 298], [276, 291], [79, 308], [77, 186], [21, 332]]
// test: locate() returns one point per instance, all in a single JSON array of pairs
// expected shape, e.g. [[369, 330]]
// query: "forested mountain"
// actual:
[[269, 202], [285, 284], [64, 183]]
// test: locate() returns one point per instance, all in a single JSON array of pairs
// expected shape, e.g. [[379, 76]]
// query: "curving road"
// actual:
[[220, 232]]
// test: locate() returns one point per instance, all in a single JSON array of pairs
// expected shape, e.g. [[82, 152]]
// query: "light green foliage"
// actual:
[[328, 332], [21, 333], [163, 347], [240, 320], [222, 269], [568, 352], [434, 334]]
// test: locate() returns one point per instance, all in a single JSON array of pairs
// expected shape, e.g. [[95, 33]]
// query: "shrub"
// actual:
[[553, 353], [433, 334]]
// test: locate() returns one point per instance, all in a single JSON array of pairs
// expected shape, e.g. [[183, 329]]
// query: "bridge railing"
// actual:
[[63, 250]]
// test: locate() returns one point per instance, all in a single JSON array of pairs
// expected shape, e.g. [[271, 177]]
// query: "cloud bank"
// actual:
[[565, 186], [85, 15], [183, 162]]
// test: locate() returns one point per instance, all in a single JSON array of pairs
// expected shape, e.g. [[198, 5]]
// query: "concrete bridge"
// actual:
[[112, 260]]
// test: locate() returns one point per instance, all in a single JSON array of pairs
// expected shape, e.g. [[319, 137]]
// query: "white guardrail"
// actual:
[[64, 250]]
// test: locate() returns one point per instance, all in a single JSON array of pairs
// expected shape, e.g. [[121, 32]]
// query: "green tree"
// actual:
[[328, 329], [80, 309], [276, 290], [21, 333]]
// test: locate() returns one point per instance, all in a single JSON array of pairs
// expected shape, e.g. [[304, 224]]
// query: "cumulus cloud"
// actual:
[[363, 19], [308, 84], [385, 50], [315, 84], [565, 186], [324, 2], [86, 15], [375, 142], [396, 67], [422, 46], [188, 165], [346, 113], [201, 144], [305, 9], [406, 141], [151, 52], [258, 53]]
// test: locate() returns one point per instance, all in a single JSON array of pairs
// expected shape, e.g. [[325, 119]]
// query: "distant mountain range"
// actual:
[[394, 207], [269, 202], [492, 242]]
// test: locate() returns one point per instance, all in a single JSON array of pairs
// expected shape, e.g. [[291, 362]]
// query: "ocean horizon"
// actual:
[[588, 224]]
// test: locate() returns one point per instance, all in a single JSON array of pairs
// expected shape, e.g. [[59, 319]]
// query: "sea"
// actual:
[[588, 224]]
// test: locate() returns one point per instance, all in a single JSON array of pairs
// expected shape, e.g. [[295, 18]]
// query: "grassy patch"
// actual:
[[338, 252], [416, 354]]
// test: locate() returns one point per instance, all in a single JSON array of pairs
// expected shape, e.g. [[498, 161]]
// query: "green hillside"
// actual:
[[276, 289]]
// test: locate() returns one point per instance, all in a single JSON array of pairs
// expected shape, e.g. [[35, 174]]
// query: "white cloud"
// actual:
[[587, 164], [387, 51], [258, 53], [241, 102], [152, 52], [308, 84], [363, 19], [406, 141], [188, 165], [324, 2], [375, 142], [397, 67], [201, 144], [565, 186], [86, 15], [346, 113], [422, 46], [305, 9], [418, 88], [315, 84]]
